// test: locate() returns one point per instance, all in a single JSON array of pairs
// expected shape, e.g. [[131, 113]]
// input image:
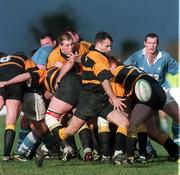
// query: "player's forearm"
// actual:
[[66, 68], [19, 78], [107, 87]]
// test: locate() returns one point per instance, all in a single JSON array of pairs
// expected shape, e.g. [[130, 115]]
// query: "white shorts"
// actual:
[[169, 97], [34, 106]]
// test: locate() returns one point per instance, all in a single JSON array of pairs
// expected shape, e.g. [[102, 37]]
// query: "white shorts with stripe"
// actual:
[[34, 106]]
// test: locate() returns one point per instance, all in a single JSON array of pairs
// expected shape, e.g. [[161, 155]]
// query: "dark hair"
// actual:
[[152, 35], [70, 29], [20, 54], [113, 60], [100, 36], [43, 36], [2, 54], [63, 36]]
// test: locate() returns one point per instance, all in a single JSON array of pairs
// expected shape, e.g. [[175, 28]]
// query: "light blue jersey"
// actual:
[[40, 57], [162, 65]]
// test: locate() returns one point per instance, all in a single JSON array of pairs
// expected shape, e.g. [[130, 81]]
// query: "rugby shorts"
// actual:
[[34, 106], [14, 91], [169, 97], [158, 96], [93, 105], [69, 88]]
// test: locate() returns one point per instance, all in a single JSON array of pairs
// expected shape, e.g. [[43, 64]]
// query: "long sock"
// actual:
[[72, 142], [104, 140], [22, 134], [58, 133], [33, 149], [28, 143], [131, 146], [9, 136], [120, 142], [131, 142], [149, 148], [142, 140], [176, 132], [51, 143], [120, 139], [94, 137], [171, 147], [85, 138]]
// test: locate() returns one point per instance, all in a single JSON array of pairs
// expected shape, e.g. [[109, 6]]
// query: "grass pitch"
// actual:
[[159, 166]]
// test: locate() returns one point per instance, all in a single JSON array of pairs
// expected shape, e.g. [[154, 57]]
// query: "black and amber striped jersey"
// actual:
[[47, 78], [11, 66], [124, 79], [50, 79], [95, 69], [57, 56]]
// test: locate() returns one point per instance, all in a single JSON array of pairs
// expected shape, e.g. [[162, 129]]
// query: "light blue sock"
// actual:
[[28, 143], [22, 134], [176, 132], [149, 148]]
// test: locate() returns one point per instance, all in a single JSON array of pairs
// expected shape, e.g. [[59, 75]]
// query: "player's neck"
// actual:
[[151, 57]]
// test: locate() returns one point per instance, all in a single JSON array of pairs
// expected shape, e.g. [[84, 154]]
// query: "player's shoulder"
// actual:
[[165, 53]]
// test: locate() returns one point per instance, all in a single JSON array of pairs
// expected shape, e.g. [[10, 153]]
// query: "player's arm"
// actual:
[[117, 102], [66, 68], [17, 79], [101, 70]]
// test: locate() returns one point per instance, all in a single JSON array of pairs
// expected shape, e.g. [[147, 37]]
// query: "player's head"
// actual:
[[65, 42], [72, 31], [103, 42], [47, 39], [113, 62], [20, 54], [152, 35], [2, 54], [151, 42]]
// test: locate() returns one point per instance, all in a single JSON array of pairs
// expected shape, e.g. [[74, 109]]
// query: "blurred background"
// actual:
[[128, 21]]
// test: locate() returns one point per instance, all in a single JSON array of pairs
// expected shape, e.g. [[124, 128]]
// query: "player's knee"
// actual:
[[51, 120], [10, 126], [123, 122], [71, 130]]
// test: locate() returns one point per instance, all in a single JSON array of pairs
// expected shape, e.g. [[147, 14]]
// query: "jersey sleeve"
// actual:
[[172, 65], [101, 70]]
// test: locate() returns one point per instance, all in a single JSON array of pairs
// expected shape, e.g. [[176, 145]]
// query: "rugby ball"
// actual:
[[143, 90]]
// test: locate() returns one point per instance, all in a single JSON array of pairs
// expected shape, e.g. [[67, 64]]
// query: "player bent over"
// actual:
[[126, 79]]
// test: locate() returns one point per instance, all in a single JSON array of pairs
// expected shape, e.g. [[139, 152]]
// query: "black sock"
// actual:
[[105, 144], [85, 138], [72, 142], [171, 147], [120, 142], [50, 141], [142, 140], [131, 146], [94, 136], [9, 136]]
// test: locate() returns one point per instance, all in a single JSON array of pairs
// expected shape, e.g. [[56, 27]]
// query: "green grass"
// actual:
[[159, 166]]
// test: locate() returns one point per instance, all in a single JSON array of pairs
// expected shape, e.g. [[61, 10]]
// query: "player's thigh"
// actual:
[[139, 114], [1, 102], [74, 125], [59, 106], [153, 127], [172, 110], [13, 109], [118, 118]]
